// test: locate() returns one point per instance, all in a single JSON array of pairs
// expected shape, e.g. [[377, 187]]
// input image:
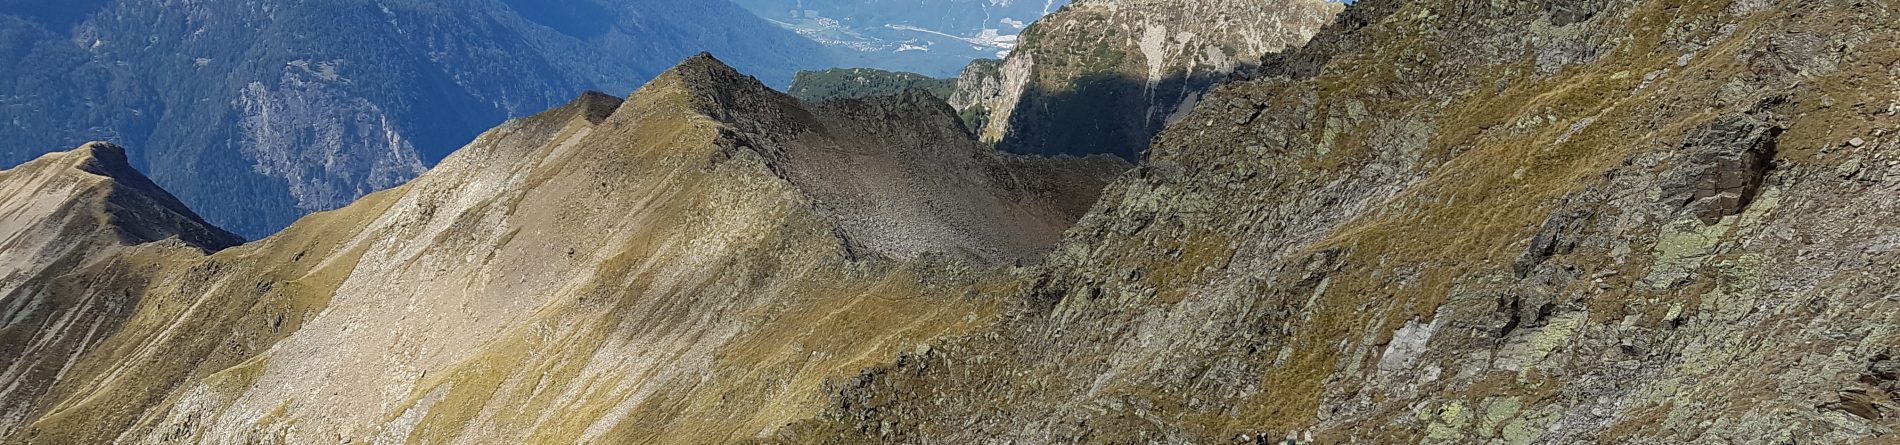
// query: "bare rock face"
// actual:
[[980, 81], [328, 146], [1444, 222], [684, 266], [900, 173], [1103, 76], [1728, 160]]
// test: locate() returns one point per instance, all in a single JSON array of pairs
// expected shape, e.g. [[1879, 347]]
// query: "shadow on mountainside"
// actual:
[[1101, 114], [1118, 114], [1305, 61]]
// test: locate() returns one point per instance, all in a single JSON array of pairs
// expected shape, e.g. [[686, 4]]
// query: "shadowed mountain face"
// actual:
[[57, 15], [1103, 76], [256, 113], [679, 267], [578, 19]]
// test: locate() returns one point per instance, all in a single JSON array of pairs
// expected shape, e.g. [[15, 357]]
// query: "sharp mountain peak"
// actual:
[[705, 72], [680, 216], [99, 176], [899, 174]]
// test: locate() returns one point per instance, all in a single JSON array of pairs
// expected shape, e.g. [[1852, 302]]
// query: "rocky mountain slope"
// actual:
[[1443, 222], [63, 215], [932, 37], [1538, 221], [256, 113], [681, 267], [1103, 76]]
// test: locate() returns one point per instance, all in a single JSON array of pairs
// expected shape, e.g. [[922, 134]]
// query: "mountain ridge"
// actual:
[[63, 216], [1550, 221], [257, 113], [896, 203], [626, 231]]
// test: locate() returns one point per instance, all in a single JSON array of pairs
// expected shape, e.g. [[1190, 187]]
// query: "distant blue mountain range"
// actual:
[[256, 112]]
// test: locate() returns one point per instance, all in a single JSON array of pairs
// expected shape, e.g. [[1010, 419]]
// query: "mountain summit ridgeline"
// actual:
[[1436, 221], [258, 112], [695, 229]]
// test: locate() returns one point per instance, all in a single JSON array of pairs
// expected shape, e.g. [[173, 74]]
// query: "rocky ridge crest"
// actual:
[[654, 269], [62, 216]]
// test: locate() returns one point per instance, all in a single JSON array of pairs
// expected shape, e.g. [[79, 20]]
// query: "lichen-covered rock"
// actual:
[[1446, 222]]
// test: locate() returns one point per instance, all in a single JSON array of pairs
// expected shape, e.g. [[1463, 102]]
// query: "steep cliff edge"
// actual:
[[1445, 222], [1103, 76], [678, 267]]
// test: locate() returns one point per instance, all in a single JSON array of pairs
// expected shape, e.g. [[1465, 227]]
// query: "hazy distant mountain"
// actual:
[[932, 37], [258, 112]]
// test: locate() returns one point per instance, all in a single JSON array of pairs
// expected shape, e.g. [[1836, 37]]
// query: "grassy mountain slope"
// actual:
[[1103, 76], [674, 268], [858, 83], [65, 215], [1527, 222]]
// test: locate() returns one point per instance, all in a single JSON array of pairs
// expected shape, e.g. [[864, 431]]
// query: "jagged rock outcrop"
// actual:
[[1103, 76], [1445, 222], [901, 174], [684, 266]]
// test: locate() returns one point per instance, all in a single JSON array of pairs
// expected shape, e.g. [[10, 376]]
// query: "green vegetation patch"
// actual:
[[855, 83]]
